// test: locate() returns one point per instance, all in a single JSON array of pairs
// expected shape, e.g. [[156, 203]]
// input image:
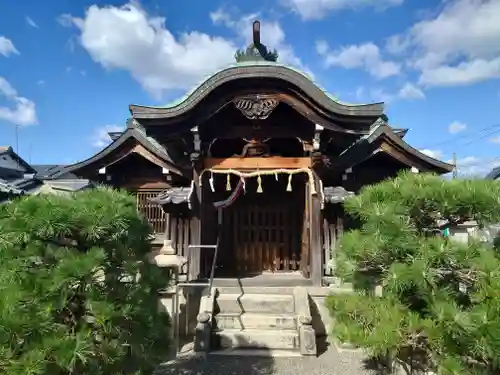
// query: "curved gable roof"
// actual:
[[260, 70], [132, 132], [381, 132]]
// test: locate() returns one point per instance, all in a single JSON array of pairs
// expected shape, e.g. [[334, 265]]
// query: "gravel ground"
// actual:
[[332, 362]]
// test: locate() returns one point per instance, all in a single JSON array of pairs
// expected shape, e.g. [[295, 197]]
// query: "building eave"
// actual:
[[384, 139], [10, 151], [137, 136], [257, 71]]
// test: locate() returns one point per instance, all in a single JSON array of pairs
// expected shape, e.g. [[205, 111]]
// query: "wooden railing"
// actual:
[[179, 228], [153, 212]]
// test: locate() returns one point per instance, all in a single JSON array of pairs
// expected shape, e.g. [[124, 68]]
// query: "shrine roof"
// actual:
[[257, 70], [133, 132], [336, 194], [175, 195], [372, 143]]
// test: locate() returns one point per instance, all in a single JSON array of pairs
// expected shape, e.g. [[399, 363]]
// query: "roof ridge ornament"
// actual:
[[256, 51]]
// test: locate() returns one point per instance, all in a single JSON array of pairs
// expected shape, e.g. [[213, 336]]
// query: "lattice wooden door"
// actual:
[[265, 236]]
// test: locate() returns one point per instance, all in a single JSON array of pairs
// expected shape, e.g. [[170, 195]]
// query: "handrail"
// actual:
[[212, 270], [178, 285]]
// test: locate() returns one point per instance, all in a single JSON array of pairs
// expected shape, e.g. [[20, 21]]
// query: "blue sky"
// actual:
[[69, 70]]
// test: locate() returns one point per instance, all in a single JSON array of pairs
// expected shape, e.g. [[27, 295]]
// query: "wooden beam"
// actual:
[[273, 162], [145, 185], [277, 131]]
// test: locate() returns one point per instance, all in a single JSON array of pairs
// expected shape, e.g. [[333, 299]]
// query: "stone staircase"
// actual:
[[247, 319]]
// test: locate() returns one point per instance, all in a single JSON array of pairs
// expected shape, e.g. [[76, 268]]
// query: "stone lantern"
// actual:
[[167, 258]]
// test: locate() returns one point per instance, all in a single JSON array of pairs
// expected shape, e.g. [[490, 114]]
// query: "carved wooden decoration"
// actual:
[[255, 148], [256, 108]]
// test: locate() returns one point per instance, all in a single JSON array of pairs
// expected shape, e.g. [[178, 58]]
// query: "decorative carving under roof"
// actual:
[[256, 108]]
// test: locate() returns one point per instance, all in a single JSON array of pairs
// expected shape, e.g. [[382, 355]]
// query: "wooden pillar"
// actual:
[[339, 231], [194, 265], [195, 253], [316, 248], [196, 217]]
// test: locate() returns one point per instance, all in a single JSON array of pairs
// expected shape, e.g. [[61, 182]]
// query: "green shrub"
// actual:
[[59, 314], [440, 306]]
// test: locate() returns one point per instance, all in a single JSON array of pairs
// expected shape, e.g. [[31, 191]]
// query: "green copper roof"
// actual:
[[247, 64]]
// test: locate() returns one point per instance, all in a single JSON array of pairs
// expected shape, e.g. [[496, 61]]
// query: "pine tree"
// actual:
[[440, 305], [71, 299]]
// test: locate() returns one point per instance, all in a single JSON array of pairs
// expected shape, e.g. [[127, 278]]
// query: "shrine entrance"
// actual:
[[265, 231]]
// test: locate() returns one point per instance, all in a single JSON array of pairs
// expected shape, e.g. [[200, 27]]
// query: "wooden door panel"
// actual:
[[264, 237]]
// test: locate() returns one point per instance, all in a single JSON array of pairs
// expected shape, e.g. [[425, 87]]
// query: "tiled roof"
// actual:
[[7, 187], [336, 194], [176, 195], [47, 171], [494, 174]]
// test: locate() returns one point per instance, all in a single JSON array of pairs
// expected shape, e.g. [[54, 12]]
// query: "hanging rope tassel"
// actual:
[[244, 184], [228, 182], [276, 176], [259, 186], [211, 182], [289, 185]]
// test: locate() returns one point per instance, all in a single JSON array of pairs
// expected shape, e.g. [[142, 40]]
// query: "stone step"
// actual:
[[282, 290], [261, 339], [255, 321], [255, 303]]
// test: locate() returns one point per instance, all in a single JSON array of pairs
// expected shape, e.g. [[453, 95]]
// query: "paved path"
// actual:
[[332, 362]]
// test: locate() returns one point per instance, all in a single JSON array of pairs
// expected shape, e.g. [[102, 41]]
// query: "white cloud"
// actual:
[[373, 95], [465, 73], [363, 56], [472, 166], [318, 9], [436, 154], [397, 44], [24, 111], [378, 94], [100, 138], [272, 34], [128, 38], [456, 127], [495, 139], [457, 46], [410, 91], [30, 22], [67, 20], [7, 47]]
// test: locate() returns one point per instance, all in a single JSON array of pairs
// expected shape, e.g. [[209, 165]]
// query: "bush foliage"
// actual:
[[70, 298], [440, 305]]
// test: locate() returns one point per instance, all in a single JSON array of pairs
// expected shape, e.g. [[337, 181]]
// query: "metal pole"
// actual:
[[454, 162]]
